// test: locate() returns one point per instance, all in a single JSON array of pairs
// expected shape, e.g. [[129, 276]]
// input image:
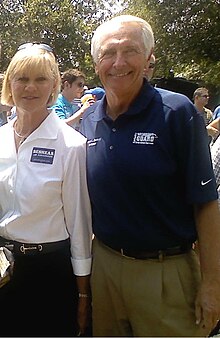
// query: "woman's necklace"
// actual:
[[22, 137], [19, 135]]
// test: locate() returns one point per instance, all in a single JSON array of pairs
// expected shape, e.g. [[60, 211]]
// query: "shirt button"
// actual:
[[111, 147], [113, 129]]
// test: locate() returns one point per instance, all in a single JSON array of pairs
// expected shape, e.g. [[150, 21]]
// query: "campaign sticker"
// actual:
[[42, 155]]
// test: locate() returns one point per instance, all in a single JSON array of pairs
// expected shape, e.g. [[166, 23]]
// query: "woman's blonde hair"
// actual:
[[34, 60]]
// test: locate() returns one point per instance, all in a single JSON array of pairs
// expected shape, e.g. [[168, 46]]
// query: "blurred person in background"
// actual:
[[215, 152], [97, 92], [88, 98], [216, 113], [4, 109], [72, 87], [213, 129], [201, 99]]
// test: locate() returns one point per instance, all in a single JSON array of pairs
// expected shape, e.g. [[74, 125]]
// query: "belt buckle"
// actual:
[[24, 248], [161, 255], [123, 254]]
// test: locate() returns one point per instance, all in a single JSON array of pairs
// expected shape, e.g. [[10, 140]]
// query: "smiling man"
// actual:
[[153, 194]]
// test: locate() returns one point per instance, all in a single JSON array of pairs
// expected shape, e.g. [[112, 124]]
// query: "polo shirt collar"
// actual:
[[143, 99], [62, 98], [139, 104]]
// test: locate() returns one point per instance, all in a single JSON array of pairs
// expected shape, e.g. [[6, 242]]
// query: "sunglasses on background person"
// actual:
[[80, 84]]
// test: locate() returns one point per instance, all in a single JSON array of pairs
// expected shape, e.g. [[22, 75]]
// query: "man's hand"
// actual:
[[214, 132], [207, 306], [208, 297]]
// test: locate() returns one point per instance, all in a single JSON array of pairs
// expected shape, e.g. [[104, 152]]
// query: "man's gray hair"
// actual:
[[106, 27]]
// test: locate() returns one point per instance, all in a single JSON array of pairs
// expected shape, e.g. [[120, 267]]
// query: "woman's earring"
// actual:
[[50, 98]]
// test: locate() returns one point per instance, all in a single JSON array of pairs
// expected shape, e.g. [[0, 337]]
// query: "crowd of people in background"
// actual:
[[75, 97], [212, 122], [72, 102]]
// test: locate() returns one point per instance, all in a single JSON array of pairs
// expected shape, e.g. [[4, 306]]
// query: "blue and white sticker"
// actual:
[[42, 155]]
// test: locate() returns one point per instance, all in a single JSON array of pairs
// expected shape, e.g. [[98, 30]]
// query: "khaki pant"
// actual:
[[144, 297]]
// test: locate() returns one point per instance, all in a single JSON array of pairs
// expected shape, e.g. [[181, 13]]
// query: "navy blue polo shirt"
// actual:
[[146, 169]]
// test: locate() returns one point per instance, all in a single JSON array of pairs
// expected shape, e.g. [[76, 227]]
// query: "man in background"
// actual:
[[201, 99], [72, 86], [97, 92]]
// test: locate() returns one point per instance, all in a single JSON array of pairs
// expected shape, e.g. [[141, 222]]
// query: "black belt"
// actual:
[[34, 248], [157, 254]]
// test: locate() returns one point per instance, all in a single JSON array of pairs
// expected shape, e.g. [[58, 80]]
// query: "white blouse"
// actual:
[[43, 189]]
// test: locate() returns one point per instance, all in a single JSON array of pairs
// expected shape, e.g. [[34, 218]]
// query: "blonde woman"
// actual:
[[44, 204]]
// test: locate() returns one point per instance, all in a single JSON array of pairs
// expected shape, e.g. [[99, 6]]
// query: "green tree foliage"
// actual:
[[187, 32], [187, 36], [64, 24]]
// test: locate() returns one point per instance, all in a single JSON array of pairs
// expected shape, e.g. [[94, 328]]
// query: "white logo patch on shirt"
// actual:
[[42, 155], [93, 142], [205, 182], [144, 138]]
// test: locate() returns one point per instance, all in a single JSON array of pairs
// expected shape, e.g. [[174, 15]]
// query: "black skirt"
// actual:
[[41, 299]]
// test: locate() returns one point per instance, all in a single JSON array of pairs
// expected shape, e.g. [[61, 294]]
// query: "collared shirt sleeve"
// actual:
[[77, 209]]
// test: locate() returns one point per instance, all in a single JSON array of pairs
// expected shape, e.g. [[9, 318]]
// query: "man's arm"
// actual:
[[208, 298], [77, 115], [213, 128], [84, 305]]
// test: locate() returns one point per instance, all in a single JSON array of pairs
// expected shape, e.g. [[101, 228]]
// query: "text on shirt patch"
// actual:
[[93, 142], [144, 138], [42, 155]]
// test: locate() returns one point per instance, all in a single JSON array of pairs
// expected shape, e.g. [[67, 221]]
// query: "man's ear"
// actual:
[[147, 62], [151, 52], [66, 84], [96, 69]]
